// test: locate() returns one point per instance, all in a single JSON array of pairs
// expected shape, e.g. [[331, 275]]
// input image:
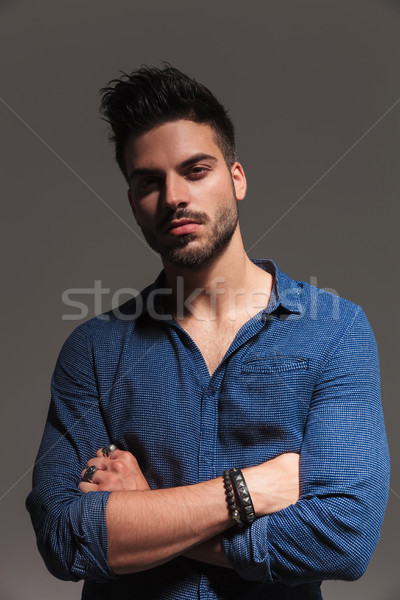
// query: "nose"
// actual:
[[176, 193]]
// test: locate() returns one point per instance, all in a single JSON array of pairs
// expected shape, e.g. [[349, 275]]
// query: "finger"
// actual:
[[117, 454], [102, 481], [121, 455], [92, 475], [100, 463], [106, 480], [86, 487]]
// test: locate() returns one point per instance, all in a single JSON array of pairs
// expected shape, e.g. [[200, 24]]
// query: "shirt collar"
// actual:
[[286, 292]]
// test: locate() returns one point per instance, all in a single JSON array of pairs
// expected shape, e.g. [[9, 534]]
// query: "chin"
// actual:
[[191, 257]]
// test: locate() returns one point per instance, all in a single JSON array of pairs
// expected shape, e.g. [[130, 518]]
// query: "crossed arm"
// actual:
[[328, 533], [146, 528]]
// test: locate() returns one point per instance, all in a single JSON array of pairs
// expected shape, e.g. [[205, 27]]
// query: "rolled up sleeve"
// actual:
[[332, 531], [70, 526]]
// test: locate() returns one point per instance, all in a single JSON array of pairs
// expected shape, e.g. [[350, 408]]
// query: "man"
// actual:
[[221, 364]]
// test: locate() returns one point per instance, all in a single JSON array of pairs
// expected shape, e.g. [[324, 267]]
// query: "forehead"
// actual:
[[170, 144]]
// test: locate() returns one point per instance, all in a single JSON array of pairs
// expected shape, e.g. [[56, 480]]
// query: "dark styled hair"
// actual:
[[149, 97]]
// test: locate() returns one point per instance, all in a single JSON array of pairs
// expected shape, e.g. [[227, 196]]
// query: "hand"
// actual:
[[274, 485], [119, 471]]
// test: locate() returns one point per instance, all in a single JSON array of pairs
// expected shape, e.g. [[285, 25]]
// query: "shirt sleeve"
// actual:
[[331, 532], [70, 526]]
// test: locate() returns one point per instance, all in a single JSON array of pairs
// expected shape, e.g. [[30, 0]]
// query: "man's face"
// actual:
[[183, 195]]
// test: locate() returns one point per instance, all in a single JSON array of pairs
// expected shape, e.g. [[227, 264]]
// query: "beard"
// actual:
[[181, 254]]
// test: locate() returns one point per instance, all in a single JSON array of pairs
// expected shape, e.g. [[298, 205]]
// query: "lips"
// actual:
[[182, 226]]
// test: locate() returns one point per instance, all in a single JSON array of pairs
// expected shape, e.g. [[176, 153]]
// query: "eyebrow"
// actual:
[[198, 157], [186, 163]]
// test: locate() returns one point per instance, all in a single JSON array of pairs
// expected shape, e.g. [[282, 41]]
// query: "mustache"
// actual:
[[184, 213]]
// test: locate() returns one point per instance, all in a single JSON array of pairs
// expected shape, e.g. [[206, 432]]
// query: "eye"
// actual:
[[197, 172], [146, 184]]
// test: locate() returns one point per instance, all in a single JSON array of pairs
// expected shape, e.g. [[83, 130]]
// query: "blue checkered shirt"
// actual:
[[301, 376]]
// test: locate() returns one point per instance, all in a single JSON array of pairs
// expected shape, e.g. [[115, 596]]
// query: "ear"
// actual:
[[132, 204], [239, 180]]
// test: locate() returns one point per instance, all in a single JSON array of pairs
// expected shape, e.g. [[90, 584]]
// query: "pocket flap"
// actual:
[[274, 364]]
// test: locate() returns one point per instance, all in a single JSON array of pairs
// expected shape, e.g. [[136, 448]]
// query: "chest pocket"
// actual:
[[276, 377], [274, 364], [278, 387]]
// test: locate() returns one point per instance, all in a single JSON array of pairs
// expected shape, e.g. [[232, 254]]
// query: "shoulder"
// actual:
[[335, 326], [325, 303], [319, 313], [109, 328]]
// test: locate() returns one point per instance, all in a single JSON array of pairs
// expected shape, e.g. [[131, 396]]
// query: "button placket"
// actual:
[[208, 432]]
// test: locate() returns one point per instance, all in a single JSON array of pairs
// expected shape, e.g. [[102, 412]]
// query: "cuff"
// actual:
[[90, 535], [247, 551]]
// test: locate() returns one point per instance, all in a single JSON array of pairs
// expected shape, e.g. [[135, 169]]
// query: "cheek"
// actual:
[[215, 191], [145, 211]]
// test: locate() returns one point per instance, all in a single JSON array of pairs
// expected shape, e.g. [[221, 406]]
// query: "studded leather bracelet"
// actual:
[[243, 495], [230, 496]]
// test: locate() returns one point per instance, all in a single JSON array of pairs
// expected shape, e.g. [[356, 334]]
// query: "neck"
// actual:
[[228, 283]]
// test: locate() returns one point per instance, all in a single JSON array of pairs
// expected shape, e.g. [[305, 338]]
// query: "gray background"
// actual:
[[314, 90]]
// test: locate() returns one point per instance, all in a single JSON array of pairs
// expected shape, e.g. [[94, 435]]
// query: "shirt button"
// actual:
[[207, 456]]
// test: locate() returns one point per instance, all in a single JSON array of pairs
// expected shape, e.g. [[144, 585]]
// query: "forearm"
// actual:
[[211, 551], [148, 528]]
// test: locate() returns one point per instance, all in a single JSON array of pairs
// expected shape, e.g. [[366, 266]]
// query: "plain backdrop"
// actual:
[[314, 90]]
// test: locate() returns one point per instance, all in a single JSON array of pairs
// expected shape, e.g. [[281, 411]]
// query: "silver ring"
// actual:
[[88, 474], [108, 449]]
